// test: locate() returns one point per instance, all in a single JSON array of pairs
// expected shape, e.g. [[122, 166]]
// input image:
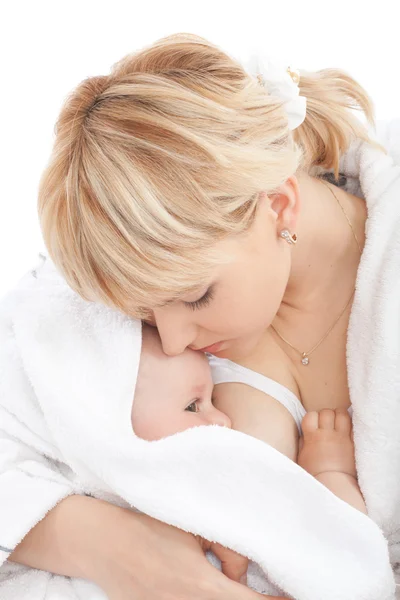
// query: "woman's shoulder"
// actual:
[[267, 364], [270, 360]]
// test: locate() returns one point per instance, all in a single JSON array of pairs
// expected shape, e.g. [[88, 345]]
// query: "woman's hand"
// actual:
[[147, 559], [131, 555]]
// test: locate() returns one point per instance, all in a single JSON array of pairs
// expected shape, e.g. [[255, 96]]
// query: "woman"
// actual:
[[176, 193]]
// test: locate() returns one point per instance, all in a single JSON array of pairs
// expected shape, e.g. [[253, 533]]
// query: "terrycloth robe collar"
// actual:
[[373, 348]]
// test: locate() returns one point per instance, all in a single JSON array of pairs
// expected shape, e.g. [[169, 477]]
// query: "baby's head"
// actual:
[[173, 393]]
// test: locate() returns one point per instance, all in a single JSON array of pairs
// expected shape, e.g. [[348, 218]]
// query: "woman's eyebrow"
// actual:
[[173, 299], [166, 302]]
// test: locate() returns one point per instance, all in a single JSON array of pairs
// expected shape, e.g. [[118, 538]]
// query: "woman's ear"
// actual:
[[285, 202]]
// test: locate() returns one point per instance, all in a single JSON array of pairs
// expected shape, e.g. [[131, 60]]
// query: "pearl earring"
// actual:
[[286, 235]]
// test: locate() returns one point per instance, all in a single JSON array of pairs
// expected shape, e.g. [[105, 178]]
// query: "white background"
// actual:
[[47, 48]]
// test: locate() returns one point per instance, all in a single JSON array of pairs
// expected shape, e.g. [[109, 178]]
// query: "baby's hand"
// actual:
[[327, 453], [233, 565], [327, 444]]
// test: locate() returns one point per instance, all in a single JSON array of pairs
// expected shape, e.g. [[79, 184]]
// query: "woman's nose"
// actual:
[[175, 334]]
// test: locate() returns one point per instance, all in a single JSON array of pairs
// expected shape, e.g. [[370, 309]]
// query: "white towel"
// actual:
[[67, 376]]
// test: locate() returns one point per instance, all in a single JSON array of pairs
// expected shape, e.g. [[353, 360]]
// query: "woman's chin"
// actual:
[[237, 349], [225, 353]]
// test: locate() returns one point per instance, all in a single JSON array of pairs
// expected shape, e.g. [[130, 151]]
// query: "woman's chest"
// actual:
[[322, 383]]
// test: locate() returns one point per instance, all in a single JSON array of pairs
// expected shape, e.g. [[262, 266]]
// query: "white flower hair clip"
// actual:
[[280, 82]]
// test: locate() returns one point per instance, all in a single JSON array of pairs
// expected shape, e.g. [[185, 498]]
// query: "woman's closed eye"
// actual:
[[203, 301]]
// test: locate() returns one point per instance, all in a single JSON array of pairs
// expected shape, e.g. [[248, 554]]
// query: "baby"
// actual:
[[176, 393]]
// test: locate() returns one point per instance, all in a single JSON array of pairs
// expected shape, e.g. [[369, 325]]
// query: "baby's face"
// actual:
[[173, 393]]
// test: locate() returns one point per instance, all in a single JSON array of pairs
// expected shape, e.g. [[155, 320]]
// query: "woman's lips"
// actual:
[[213, 348]]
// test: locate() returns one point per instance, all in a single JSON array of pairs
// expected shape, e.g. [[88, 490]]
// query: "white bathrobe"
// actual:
[[67, 377]]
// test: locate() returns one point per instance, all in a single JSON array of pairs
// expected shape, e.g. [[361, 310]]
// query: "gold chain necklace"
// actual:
[[305, 356]]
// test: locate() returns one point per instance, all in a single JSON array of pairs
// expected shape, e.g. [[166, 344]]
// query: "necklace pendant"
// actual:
[[304, 359]]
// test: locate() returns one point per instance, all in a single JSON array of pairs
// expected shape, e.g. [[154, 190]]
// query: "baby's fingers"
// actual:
[[233, 565]]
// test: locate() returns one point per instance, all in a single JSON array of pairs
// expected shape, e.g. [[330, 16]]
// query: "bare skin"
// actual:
[[327, 453]]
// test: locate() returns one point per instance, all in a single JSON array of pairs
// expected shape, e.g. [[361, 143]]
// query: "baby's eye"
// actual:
[[193, 406]]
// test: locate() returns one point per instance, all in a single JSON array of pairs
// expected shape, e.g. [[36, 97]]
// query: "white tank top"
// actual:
[[225, 371]]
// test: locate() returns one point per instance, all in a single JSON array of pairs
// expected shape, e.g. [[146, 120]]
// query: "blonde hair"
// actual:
[[160, 159]]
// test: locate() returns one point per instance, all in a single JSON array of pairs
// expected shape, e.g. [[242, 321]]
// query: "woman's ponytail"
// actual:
[[330, 125]]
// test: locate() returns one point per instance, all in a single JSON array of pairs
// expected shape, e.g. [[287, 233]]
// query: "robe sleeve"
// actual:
[[32, 481]]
